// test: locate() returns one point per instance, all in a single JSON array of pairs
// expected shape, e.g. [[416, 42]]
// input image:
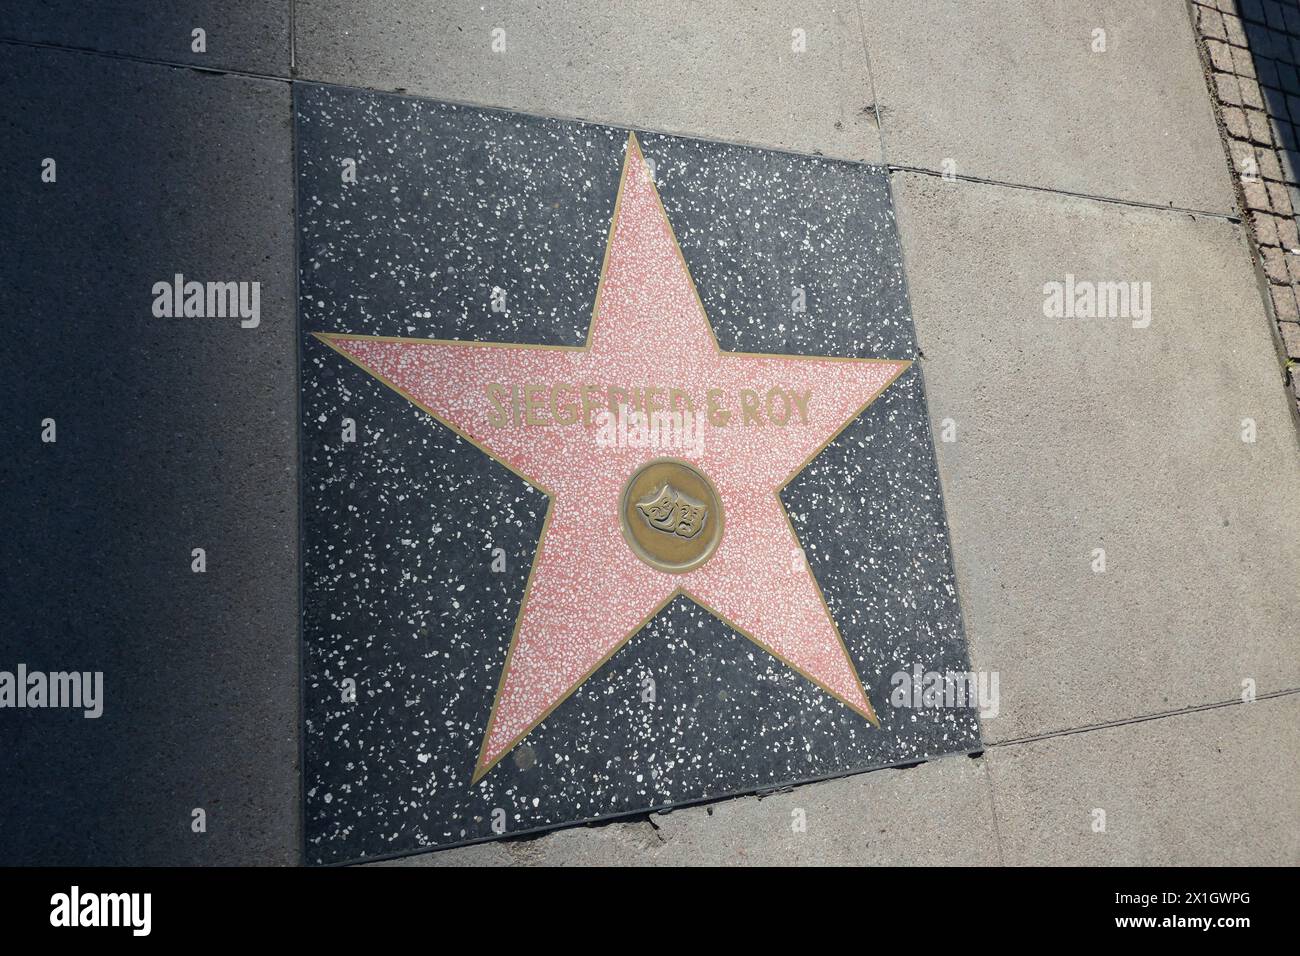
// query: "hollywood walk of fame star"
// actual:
[[591, 587]]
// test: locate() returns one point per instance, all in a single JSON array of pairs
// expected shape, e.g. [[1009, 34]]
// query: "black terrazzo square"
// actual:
[[417, 545]]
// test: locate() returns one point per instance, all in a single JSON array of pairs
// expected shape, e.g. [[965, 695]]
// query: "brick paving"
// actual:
[[1252, 56]]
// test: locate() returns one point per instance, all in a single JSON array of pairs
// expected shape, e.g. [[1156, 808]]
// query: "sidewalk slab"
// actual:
[[246, 35], [1073, 435], [1014, 92], [1218, 787], [937, 813], [172, 434], [715, 70]]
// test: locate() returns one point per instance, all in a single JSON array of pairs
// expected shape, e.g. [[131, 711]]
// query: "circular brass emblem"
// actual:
[[671, 515]]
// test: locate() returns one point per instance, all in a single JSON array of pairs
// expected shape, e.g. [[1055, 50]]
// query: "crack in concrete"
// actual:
[[1125, 721], [1132, 203]]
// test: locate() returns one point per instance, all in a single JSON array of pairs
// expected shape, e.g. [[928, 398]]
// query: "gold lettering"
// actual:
[[615, 402], [801, 403], [570, 410], [591, 402], [565, 404], [497, 417], [717, 414], [785, 406], [534, 399]]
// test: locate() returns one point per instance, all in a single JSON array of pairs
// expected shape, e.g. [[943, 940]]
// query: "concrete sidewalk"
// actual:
[[1020, 155]]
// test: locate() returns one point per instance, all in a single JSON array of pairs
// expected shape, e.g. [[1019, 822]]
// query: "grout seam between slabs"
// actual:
[[252, 75], [1126, 721], [1131, 203]]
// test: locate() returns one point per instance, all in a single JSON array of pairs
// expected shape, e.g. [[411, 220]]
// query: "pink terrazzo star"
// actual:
[[588, 593]]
